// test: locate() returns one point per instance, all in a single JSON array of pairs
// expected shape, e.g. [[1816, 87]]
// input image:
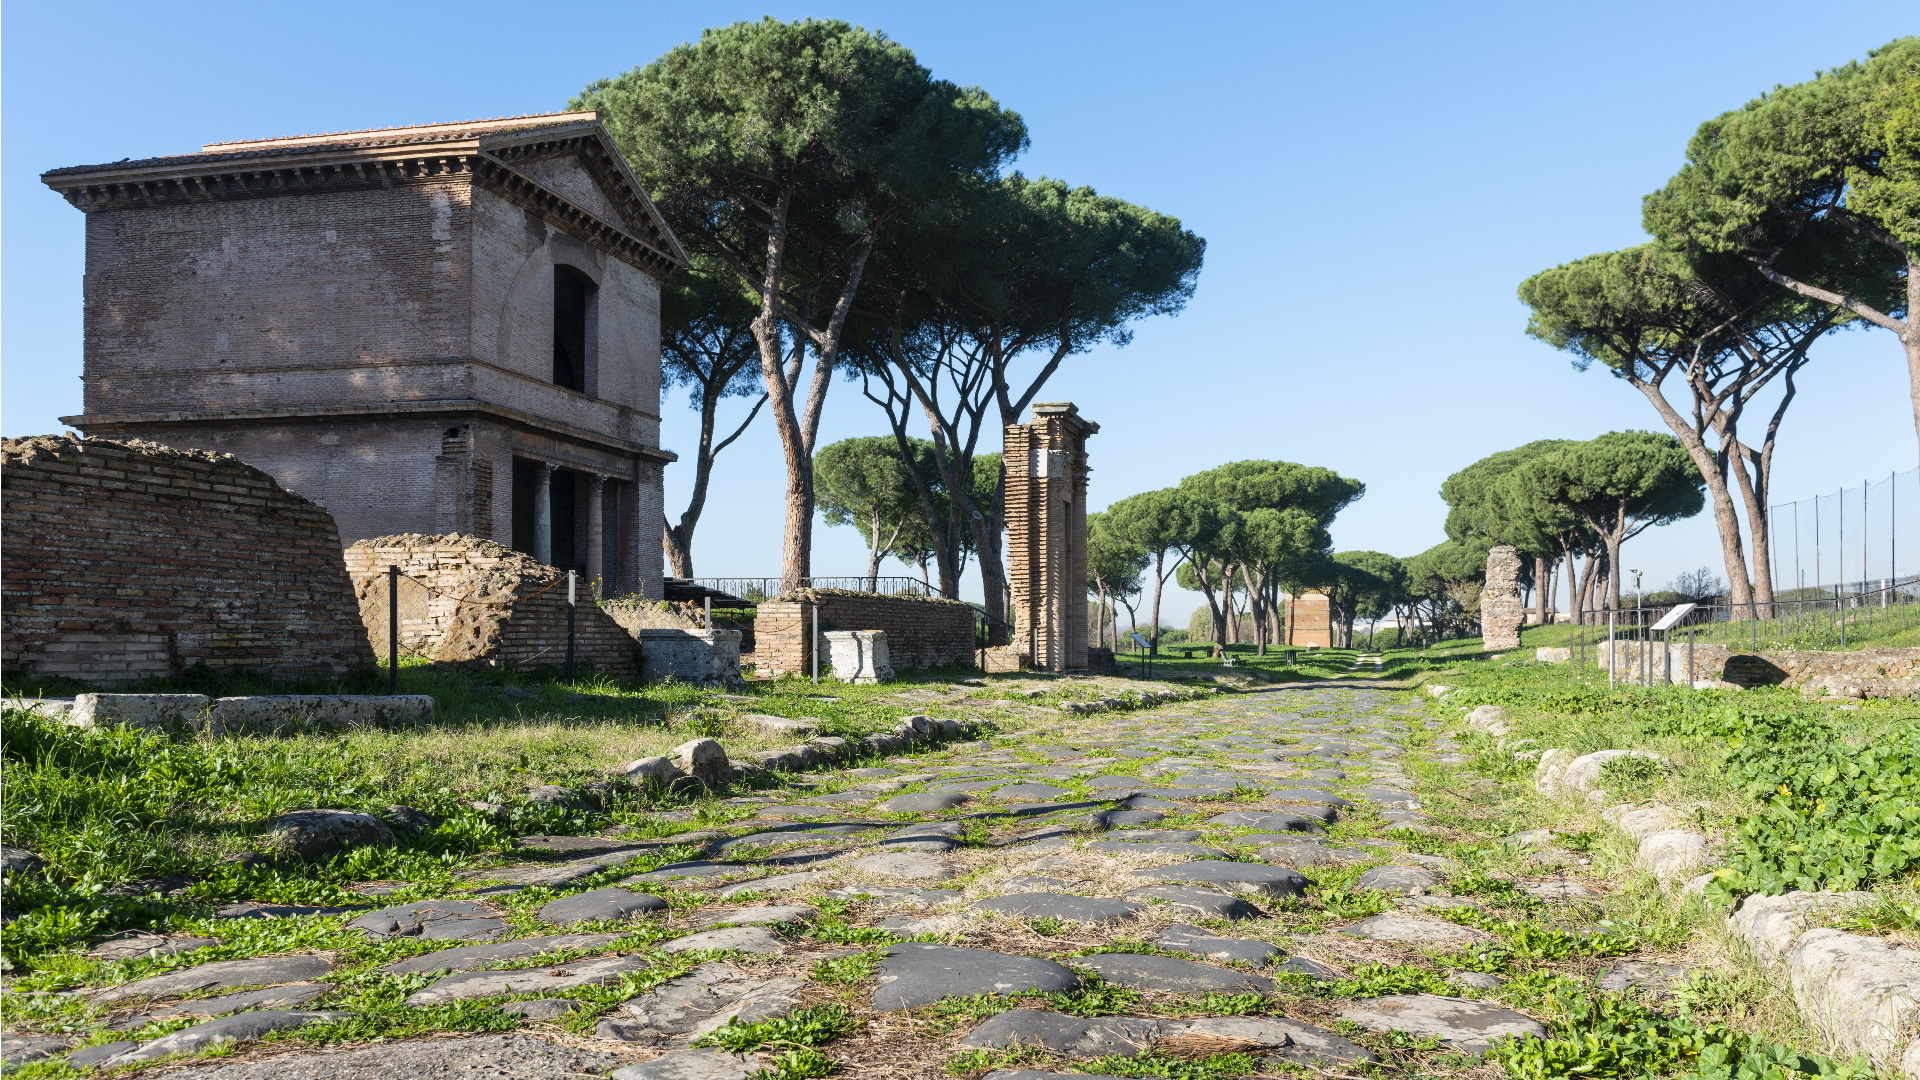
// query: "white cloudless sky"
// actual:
[[1373, 181]]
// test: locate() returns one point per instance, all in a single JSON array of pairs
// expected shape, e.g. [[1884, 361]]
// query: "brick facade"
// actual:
[[1309, 620], [126, 560], [1046, 499], [371, 318], [921, 632], [465, 600]]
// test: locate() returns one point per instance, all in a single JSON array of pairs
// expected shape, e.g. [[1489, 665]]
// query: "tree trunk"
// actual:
[[1725, 521], [1159, 583]]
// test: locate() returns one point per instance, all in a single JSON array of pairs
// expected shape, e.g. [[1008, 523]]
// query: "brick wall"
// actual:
[[467, 600], [920, 632], [129, 559], [1309, 621]]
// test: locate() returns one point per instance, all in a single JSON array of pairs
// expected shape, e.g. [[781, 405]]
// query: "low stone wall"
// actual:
[[128, 560], [1720, 664], [464, 600], [921, 632], [257, 715]]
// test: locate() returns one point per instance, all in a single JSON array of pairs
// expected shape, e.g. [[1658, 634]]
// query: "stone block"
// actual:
[[1862, 993], [1500, 600], [148, 712], [859, 656], [695, 657], [652, 771], [1003, 659], [704, 760], [780, 725], [317, 712], [1549, 655]]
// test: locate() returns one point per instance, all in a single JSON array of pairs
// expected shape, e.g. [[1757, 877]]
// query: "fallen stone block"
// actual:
[[274, 713], [147, 712], [1769, 925], [1861, 993]]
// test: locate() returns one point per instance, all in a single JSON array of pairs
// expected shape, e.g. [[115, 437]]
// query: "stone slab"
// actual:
[[1146, 971], [1248, 879], [1046, 905], [221, 975], [471, 957], [916, 974], [477, 984], [600, 905], [1460, 1023], [433, 920]]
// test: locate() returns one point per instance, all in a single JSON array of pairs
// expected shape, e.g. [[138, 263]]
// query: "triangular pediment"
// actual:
[[582, 166]]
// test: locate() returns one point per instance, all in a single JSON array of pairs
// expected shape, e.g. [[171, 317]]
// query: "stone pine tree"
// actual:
[[1169, 524], [1482, 512], [784, 151], [706, 345], [1114, 566], [974, 303], [1620, 484], [1817, 187], [863, 482], [1708, 327], [1363, 585]]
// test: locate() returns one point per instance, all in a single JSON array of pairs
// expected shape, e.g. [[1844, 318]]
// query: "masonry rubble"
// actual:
[[1501, 603]]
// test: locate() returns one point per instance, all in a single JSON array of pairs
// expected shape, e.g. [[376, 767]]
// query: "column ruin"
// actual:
[[1501, 606], [1046, 501]]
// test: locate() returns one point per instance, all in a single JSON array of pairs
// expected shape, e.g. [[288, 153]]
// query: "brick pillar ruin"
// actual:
[[1501, 609], [1046, 499]]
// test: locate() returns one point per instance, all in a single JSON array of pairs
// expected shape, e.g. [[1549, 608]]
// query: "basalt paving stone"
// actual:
[[924, 802], [1142, 971], [910, 865], [1093, 911], [1412, 931], [541, 1008], [916, 974], [1192, 939], [872, 774], [477, 984], [970, 787], [682, 871], [1160, 851], [756, 940], [258, 971], [762, 915], [1154, 836], [1251, 879], [1298, 855], [1150, 802], [507, 1056], [1461, 1024], [1206, 903], [1033, 883], [610, 903], [1080, 1036], [695, 1065], [1402, 880], [135, 945], [1120, 819], [477, 956], [243, 1027], [584, 845], [274, 997], [801, 811], [1025, 792], [898, 894], [1261, 819], [252, 910], [699, 1002]]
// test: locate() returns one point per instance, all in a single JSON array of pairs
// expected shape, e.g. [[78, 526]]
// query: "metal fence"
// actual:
[[1833, 618], [1856, 539], [764, 588]]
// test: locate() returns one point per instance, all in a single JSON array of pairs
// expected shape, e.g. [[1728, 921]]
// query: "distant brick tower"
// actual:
[[1046, 496]]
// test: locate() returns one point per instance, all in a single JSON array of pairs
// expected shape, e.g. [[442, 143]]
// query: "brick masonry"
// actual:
[[1309, 620], [921, 632], [467, 600], [127, 560], [369, 317], [1046, 499]]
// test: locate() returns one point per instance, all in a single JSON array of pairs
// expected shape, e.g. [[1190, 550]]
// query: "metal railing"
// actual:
[[1855, 615], [757, 589]]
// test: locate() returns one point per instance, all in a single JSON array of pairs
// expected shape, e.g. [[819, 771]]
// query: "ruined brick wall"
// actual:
[[1501, 613], [920, 632], [467, 600], [127, 559], [1046, 499]]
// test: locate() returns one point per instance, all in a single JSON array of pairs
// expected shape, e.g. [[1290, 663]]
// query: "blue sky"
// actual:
[[1373, 181]]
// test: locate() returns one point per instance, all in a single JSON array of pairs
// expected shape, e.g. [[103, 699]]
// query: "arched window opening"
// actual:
[[572, 299]]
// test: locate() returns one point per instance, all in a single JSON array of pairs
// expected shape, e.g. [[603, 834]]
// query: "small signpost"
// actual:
[[1667, 623]]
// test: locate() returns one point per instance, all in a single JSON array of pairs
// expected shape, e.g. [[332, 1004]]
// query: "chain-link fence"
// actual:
[[1857, 540]]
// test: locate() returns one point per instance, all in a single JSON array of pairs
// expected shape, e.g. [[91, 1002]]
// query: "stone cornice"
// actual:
[[246, 176], [105, 423]]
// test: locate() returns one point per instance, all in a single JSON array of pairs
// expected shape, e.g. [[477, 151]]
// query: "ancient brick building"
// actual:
[[1309, 620], [1046, 494], [127, 560], [451, 328]]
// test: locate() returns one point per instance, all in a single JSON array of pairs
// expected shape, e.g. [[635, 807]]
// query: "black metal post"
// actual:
[[570, 614], [393, 629]]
